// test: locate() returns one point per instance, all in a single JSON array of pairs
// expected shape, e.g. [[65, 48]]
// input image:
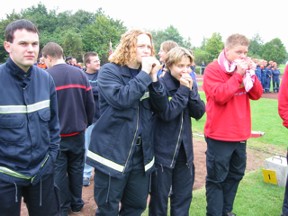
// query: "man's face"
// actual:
[[94, 64], [236, 52], [24, 49]]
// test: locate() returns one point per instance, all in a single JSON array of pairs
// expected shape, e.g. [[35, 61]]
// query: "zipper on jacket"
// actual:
[[178, 140], [131, 149]]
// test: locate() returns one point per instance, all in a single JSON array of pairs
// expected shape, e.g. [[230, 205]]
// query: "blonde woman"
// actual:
[[173, 137]]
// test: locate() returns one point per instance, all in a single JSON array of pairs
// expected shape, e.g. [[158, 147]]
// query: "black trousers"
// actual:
[[226, 164]]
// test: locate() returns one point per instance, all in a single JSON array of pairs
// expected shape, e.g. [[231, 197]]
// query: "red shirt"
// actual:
[[228, 104], [283, 98]]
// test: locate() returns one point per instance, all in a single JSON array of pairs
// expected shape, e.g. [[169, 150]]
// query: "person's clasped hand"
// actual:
[[186, 80], [242, 66], [246, 67], [151, 65]]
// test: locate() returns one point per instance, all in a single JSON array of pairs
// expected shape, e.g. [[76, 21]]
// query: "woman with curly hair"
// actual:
[[121, 141]]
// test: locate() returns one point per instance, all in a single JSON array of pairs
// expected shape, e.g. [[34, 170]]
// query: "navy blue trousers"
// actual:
[[126, 196], [41, 199], [226, 164], [131, 191], [181, 179], [69, 173]]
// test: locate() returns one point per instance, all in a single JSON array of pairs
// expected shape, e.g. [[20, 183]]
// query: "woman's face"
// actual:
[[181, 67], [162, 55]]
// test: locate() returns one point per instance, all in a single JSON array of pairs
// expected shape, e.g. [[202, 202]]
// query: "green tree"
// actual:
[[81, 19], [44, 20], [84, 31], [72, 44], [200, 56], [213, 47], [274, 50], [170, 33], [97, 35], [256, 47]]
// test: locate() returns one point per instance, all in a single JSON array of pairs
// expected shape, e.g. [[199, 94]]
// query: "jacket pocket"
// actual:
[[12, 128], [44, 114], [44, 118]]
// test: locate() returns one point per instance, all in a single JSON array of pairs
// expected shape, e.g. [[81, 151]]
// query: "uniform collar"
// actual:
[[17, 71], [170, 81]]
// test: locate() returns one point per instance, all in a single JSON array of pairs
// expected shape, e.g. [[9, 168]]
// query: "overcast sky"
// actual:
[[194, 19]]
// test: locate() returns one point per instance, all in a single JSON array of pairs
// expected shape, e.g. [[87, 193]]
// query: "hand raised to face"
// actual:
[[186, 80]]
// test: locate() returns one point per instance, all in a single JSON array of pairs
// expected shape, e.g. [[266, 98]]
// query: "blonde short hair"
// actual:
[[176, 54], [236, 39]]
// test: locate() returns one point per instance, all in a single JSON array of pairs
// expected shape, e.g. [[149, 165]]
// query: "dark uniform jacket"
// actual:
[[173, 125], [29, 125], [126, 107]]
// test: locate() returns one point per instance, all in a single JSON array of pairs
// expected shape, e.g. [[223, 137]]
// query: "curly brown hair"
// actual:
[[126, 49]]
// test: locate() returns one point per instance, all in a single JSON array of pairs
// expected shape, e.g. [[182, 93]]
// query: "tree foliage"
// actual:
[[170, 33], [274, 50], [84, 31], [72, 44], [213, 47], [256, 45], [97, 35]]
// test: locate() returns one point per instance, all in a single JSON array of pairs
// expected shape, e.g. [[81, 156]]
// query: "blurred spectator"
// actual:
[[92, 66], [41, 63], [203, 66], [165, 47]]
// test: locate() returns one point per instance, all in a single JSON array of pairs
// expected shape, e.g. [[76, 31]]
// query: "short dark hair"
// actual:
[[16, 25], [88, 55]]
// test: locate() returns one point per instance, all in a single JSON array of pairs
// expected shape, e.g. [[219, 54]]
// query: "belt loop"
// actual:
[[139, 140]]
